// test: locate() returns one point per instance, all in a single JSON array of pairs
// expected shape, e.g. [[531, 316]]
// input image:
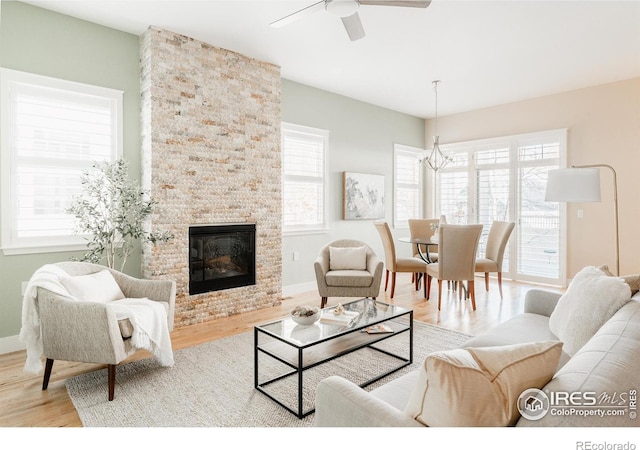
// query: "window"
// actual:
[[52, 131], [407, 189], [540, 239], [504, 179], [453, 189], [304, 165]]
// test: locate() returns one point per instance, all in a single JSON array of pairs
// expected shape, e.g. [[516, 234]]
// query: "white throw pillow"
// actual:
[[590, 300], [632, 280], [98, 287], [479, 387], [347, 258]]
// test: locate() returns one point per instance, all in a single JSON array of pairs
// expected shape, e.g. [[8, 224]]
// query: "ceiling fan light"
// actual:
[[342, 8]]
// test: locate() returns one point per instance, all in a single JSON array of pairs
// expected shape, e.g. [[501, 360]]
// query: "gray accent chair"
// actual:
[[88, 331], [347, 283]]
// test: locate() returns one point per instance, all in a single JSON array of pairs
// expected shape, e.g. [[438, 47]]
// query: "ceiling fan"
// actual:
[[347, 10]]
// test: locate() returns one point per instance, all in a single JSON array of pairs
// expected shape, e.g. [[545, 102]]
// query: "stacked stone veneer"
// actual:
[[210, 154]]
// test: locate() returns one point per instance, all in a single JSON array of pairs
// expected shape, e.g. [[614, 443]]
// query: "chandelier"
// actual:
[[435, 159]]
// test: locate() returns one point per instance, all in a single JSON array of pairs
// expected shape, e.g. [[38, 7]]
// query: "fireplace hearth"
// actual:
[[221, 257]]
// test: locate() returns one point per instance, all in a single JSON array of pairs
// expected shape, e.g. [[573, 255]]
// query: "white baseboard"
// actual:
[[299, 288], [10, 344]]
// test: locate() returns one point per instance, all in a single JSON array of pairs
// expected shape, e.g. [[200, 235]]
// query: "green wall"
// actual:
[[39, 41], [361, 140], [362, 135]]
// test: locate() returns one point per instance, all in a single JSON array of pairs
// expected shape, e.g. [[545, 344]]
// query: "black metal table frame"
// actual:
[[426, 258], [419, 242], [300, 367]]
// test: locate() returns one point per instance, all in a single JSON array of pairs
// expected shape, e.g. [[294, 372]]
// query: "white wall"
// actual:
[[603, 125]]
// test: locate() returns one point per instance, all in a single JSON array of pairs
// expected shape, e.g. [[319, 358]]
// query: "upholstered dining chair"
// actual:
[[77, 322], [497, 240], [347, 268], [394, 264], [421, 228], [457, 247]]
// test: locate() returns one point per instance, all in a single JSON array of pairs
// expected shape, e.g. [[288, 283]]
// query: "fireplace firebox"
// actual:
[[221, 257]]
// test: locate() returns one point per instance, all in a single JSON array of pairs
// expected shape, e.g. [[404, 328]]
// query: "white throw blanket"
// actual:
[[148, 318], [150, 329], [47, 277]]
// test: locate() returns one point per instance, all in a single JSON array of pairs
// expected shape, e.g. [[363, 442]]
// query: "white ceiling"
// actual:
[[484, 52]]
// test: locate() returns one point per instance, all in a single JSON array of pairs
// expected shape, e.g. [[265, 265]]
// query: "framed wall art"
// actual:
[[363, 196]]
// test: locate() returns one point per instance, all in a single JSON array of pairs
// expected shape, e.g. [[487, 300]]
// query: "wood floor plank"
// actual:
[[23, 403]]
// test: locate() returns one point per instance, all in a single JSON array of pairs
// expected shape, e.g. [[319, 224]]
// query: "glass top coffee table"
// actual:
[[298, 348]]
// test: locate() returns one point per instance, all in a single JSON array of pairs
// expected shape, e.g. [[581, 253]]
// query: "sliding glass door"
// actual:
[[540, 255], [504, 179]]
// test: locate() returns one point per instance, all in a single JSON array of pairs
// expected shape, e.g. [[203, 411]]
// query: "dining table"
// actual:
[[421, 242], [424, 255]]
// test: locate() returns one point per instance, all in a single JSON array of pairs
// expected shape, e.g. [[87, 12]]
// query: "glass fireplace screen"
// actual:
[[221, 257]]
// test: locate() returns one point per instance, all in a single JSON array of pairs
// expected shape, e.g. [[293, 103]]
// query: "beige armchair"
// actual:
[[457, 247], [499, 234], [354, 271], [88, 331], [394, 264]]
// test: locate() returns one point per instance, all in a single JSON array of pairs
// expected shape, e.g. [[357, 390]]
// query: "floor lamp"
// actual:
[[580, 184]]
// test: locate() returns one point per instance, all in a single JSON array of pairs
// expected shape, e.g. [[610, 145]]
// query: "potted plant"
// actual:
[[112, 211]]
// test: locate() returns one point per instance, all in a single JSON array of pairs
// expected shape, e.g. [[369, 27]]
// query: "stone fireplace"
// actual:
[[210, 155]]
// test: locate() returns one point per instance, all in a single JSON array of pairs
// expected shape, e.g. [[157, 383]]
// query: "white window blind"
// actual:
[[304, 153], [407, 185], [493, 190], [53, 130], [453, 189], [504, 179]]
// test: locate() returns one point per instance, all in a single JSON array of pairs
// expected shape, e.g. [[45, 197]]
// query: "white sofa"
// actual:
[[609, 363]]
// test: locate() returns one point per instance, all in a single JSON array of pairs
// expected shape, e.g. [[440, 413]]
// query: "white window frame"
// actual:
[[513, 142], [9, 80], [314, 133], [415, 153]]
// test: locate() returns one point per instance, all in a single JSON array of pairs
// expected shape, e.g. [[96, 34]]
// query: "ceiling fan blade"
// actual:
[[353, 26], [298, 14], [407, 3]]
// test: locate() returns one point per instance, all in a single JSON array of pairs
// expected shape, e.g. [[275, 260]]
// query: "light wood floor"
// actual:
[[24, 404]]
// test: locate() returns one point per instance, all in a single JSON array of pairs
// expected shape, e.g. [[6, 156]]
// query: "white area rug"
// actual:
[[212, 384]]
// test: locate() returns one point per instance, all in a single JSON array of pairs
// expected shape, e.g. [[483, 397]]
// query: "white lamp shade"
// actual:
[[573, 185]]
